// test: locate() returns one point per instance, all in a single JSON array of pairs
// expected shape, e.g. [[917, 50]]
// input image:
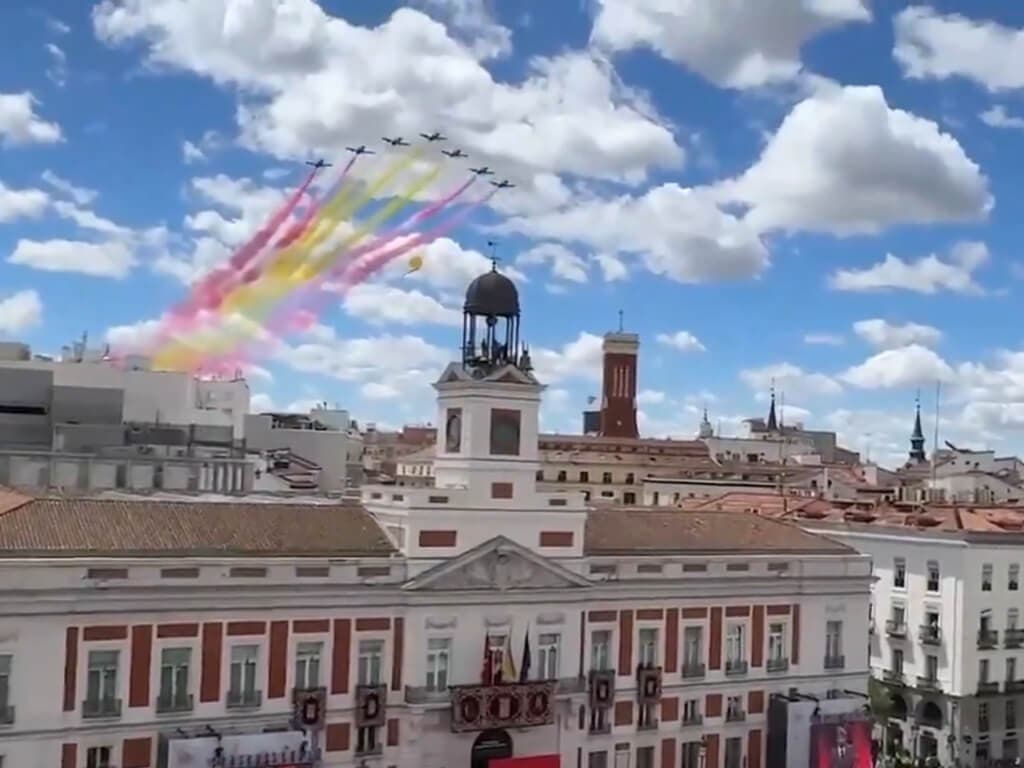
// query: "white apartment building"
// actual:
[[481, 618], [947, 634]]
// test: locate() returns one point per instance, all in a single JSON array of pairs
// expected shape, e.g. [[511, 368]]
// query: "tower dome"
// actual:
[[490, 323], [492, 294]]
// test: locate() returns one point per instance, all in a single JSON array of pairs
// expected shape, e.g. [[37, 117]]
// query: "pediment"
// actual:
[[497, 565]]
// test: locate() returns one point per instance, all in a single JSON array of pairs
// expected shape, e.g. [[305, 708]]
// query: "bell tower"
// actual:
[[618, 385], [489, 401]]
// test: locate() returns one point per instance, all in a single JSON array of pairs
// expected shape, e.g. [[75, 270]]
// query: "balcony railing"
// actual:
[[929, 634], [105, 707], [736, 667], [695, 719], [927, 682], [7, 714], [247, 699], [735, 716], [694, 670], [893, 676], [895, 628], [988, 638], [184, 702], [777, 665], [835, 662], [1013, 686], [988, 687], [1013, 638]]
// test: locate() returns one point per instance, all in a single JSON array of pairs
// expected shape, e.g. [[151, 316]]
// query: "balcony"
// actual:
[[7, 714], [1013, 686], [735, 716], [97, 708], [421, 694], [693, 719], [988, 638], [894, 628], [835, 662], [929, 634], [893, 676], [1013, 638], [693, 671], [508, 705], [777, 665], [169, 703], [988, 687], [928, 683], [247, 699], [736, 667]]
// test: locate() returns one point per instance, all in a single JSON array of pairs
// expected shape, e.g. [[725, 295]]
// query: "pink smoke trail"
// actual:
[[296, 229]]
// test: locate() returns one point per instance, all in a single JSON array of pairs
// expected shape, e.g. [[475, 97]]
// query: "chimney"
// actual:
[[618, 389]]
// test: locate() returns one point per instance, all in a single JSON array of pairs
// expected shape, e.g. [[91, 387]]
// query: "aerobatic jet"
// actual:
[[454, 153], [319, 164], [482, 171], [435, 136], [503, 184], [360, 150], [398, 141]]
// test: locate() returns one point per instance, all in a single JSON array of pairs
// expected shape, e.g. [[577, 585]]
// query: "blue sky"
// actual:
[[825, 194]]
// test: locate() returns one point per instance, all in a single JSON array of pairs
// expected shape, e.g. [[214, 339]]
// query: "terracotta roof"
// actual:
[[769, 504], [62, 526], [647, 530]]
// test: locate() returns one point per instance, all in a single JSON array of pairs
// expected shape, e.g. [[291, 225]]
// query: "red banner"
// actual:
[[531, 761]]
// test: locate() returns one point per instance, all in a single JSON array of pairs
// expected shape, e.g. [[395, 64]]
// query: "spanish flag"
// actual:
[[508, 663]]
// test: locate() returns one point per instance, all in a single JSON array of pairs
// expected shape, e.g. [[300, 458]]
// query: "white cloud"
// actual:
[[110, 259], [21, 203], [908, 366], [928, 275], [564, 263], [19, 312], [191, 153], [824, 339], [998, 117], [19, 123], [612, 268], [682, 341], [885, 335], [650, 397], [134, 338], [731, 42], [472, 20], [790, 379], [932, 45], [447, 266], [87, 219], [261, 402], [580, 358], [79, 195], [570, 114], [57, 26], [381, 304], [57, 72], [843, 161], [679, 233]]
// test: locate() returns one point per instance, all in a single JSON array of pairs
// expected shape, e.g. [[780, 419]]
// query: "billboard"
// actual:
[[838, 742], [259, 750], [532, 761]]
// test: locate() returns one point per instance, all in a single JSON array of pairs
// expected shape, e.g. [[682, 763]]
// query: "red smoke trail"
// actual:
[[298, 228]]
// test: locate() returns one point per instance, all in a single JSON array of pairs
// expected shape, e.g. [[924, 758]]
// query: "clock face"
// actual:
[[453, 431]]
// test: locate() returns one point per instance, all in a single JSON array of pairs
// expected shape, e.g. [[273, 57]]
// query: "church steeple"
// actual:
[[706, 430], [773, 423], [917, 453]]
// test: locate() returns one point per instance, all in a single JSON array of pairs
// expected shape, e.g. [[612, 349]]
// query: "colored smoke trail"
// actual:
[[299, 227]]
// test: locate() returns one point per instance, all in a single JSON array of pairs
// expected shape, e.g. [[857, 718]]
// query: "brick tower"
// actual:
[[618, 388]]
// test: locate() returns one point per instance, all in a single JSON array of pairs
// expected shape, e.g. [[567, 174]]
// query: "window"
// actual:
[[630, 478], [174, 672], [504, 432], [776, 642], [242, 685], [597, 760], [600, 649], [693, 649], [690, 751], [307, 664], [982, 670], [1011, 715], [985, 621], [833, 639], [453, 430], [1011, 669], [733, 753], [606, 478], [649, 647], [691, 711], [370, 654], [899, 573], [931, 667], [1013, 579], [584, 477], [899, 616], [438, 653], [933, 576], [101, 681], [1012, 618], [547, 657], [983, 716], [897, 661], [986, 577], [561, 475], [98, 757], [629, 497], [645, 757], [734, 708], [5, 683], [735, 648]]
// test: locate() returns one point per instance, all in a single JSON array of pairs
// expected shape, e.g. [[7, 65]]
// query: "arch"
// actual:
[[930, 714], [898, 706], [490, 745]]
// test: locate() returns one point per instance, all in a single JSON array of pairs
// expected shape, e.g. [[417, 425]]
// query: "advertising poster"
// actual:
[[841, 744]]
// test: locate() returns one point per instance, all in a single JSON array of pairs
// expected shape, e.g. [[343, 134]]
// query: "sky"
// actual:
[[823, 194]]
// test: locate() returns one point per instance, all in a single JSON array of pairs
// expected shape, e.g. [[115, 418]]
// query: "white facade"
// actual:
[[969, 588], [337, 451], [755, 449]]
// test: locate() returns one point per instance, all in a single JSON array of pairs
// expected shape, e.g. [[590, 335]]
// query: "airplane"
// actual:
[[454, 153], [435, 136], [503, 184], [360, 150], [482, 171], [318, 164], [398, 141]]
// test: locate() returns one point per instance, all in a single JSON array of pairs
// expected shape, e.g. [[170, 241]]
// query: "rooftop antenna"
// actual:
[[935, 438], [493, 245], [621, 321]]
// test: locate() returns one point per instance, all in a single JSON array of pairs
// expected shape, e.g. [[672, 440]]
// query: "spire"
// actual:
[[773, 424], [706, 430], [917, 453]]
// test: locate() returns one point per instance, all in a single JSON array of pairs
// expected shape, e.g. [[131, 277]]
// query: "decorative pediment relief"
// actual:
[[501, 565]]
